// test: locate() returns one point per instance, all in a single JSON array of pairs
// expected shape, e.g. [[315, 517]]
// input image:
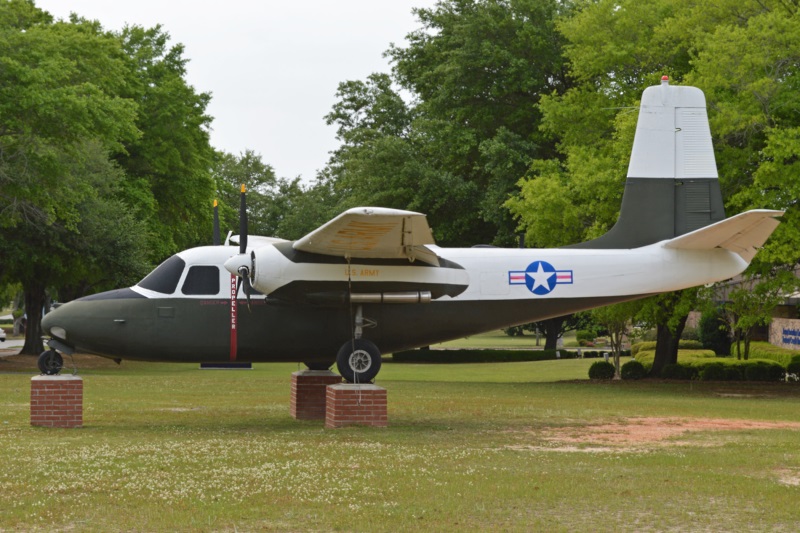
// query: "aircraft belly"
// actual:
[[410, 326]]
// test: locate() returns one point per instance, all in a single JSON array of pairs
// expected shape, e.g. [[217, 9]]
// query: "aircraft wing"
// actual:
[[742, 234], [373, 232]]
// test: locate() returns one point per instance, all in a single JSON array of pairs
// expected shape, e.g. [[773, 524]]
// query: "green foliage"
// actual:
[[633, 370], [601, 370], [168, 165], [765, 350], [478, 356], [712, 372], [586, 335], [678, 371], [651, 345], [476, 71], [760, 370], [793, 368], [714, 332]]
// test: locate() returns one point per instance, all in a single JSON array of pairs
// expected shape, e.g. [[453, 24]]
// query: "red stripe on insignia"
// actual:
[[234, 325]]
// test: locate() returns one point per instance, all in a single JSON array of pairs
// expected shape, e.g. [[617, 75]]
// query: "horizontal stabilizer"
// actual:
[[375, 233], [742, 234]]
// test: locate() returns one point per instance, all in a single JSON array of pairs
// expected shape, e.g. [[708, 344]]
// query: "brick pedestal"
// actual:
[[57, 401], [308, 393], [361, 405]]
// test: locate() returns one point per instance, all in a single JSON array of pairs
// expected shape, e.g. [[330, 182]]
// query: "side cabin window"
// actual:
[[165, 277], [201, 280]]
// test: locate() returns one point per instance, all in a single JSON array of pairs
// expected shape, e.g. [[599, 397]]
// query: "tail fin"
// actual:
[[743, 234], [672, 186]]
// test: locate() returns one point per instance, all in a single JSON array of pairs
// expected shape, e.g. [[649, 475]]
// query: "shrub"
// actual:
[[765, 350], [586, 335], [733, 373], [651, 346], [677, 371], [712, 372], [632, 370], [762, 371], [601, 370], [793, 368]]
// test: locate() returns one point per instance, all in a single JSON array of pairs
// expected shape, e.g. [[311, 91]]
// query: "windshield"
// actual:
[[165, 277]]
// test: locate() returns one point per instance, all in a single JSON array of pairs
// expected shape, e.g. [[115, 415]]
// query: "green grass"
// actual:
[[169, 447]]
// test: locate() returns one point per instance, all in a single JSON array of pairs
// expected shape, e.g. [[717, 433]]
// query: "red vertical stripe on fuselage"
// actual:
[[234, 325]]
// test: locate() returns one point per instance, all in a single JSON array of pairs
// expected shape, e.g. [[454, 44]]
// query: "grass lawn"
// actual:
[[469, 447]]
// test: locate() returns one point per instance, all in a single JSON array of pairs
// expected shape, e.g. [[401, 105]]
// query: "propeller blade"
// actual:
[[216, 224], [243, 221]]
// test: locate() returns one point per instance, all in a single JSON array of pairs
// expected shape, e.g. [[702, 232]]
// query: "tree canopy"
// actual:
[[104, 155]]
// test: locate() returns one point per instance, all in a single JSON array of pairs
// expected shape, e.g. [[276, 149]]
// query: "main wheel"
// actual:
[[50, 362], [359, 361]]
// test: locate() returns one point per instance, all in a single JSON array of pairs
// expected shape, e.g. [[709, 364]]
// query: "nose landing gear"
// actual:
[[50, 362]]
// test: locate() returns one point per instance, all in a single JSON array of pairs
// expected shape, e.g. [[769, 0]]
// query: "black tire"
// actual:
[[316, 365], [50, 362], [359, 361]]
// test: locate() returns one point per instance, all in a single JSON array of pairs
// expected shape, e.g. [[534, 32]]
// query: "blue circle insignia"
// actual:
[[540, 277]]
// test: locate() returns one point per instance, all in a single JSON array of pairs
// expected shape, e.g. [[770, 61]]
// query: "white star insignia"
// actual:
[[540, 277]]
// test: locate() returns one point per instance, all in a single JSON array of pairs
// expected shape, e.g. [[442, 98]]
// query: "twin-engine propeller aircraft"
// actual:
[[372, 279]]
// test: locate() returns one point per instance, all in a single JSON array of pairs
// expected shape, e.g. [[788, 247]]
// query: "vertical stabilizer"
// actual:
[[672, 186]]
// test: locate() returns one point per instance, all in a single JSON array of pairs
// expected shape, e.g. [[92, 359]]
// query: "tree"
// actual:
[[743, 54], [668, 313], [751, 304], [269, 198], [617, 319], [168, 167], [60, 87], [476, 70]]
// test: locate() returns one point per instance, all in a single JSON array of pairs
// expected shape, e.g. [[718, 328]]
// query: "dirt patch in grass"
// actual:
[[789, 476], [639, 434]]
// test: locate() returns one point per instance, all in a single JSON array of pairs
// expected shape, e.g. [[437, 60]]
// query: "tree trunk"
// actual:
[[667, 346], [552, 329], [34, 302]]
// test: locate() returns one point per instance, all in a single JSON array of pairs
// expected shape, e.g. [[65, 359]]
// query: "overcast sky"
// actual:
[[272, 66]]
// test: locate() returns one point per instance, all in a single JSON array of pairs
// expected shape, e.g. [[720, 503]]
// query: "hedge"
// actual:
[[651, 345], [478, 356], [765, 350], [727, 369], [648, 356]]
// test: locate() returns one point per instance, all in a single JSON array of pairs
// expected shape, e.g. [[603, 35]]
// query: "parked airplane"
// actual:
[[372, 279]]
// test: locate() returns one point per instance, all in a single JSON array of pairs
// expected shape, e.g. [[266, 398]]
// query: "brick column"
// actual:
[[350, 404], [308, 393], [57, 401]]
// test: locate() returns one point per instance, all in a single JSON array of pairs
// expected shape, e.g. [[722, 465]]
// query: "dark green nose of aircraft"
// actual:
[[95, 324]]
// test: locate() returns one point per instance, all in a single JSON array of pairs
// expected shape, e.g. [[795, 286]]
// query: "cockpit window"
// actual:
[[201, 280], [165, 277]]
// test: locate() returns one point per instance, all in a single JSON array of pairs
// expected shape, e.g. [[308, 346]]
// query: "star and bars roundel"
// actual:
[[540, 277]]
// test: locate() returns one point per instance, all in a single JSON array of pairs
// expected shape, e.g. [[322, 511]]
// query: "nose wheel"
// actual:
[[50, 362]]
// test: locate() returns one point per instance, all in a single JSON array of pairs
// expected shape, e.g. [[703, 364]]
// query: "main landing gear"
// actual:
[[50, 362], [359, 360]]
